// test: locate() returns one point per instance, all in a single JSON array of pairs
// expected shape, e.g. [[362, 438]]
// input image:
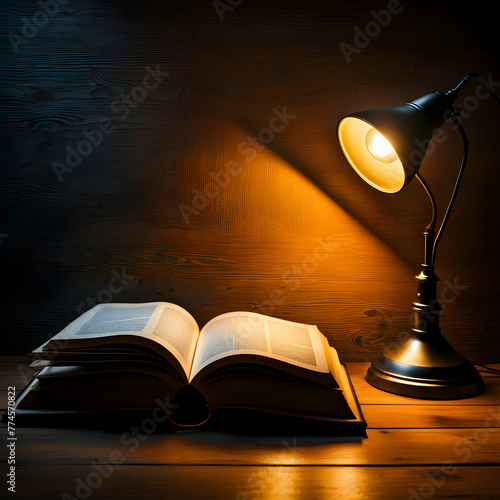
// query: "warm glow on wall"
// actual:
[[278, 242]]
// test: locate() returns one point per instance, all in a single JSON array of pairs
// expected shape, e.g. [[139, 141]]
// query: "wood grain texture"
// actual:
[[285, 482], [413, 450], [382, 447], [118, 209]]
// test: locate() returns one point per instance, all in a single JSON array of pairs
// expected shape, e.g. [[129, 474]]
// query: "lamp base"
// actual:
[[426, 367]]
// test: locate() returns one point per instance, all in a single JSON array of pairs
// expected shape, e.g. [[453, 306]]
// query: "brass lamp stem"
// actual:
[[429, 234]]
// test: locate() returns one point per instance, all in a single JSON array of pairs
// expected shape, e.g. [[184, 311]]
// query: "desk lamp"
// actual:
[[386, 147]]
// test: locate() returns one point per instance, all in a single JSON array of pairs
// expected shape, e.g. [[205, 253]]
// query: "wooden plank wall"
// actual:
[[186, 152]]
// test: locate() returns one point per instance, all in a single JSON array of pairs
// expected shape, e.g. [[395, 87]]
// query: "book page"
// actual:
[[251, 333], [167, 324]]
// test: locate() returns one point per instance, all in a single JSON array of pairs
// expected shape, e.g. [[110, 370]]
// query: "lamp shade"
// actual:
[[386, 146]]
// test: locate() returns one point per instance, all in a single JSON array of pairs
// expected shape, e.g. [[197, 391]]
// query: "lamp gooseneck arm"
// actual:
[[455, 189], [429, 230], [430, 226], [453, 93], [431, 242]]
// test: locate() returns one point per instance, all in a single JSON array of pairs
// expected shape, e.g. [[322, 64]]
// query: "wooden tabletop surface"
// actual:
[[415, 449]]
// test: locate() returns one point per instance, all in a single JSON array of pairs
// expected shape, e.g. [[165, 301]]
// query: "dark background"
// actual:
[[252, 243]]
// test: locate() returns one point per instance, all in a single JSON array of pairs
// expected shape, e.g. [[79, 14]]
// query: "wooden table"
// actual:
[[415, 449]]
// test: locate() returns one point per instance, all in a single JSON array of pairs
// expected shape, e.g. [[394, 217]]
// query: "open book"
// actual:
[[130, 356]]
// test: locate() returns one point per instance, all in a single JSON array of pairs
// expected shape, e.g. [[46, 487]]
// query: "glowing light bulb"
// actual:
[[380, 148]]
